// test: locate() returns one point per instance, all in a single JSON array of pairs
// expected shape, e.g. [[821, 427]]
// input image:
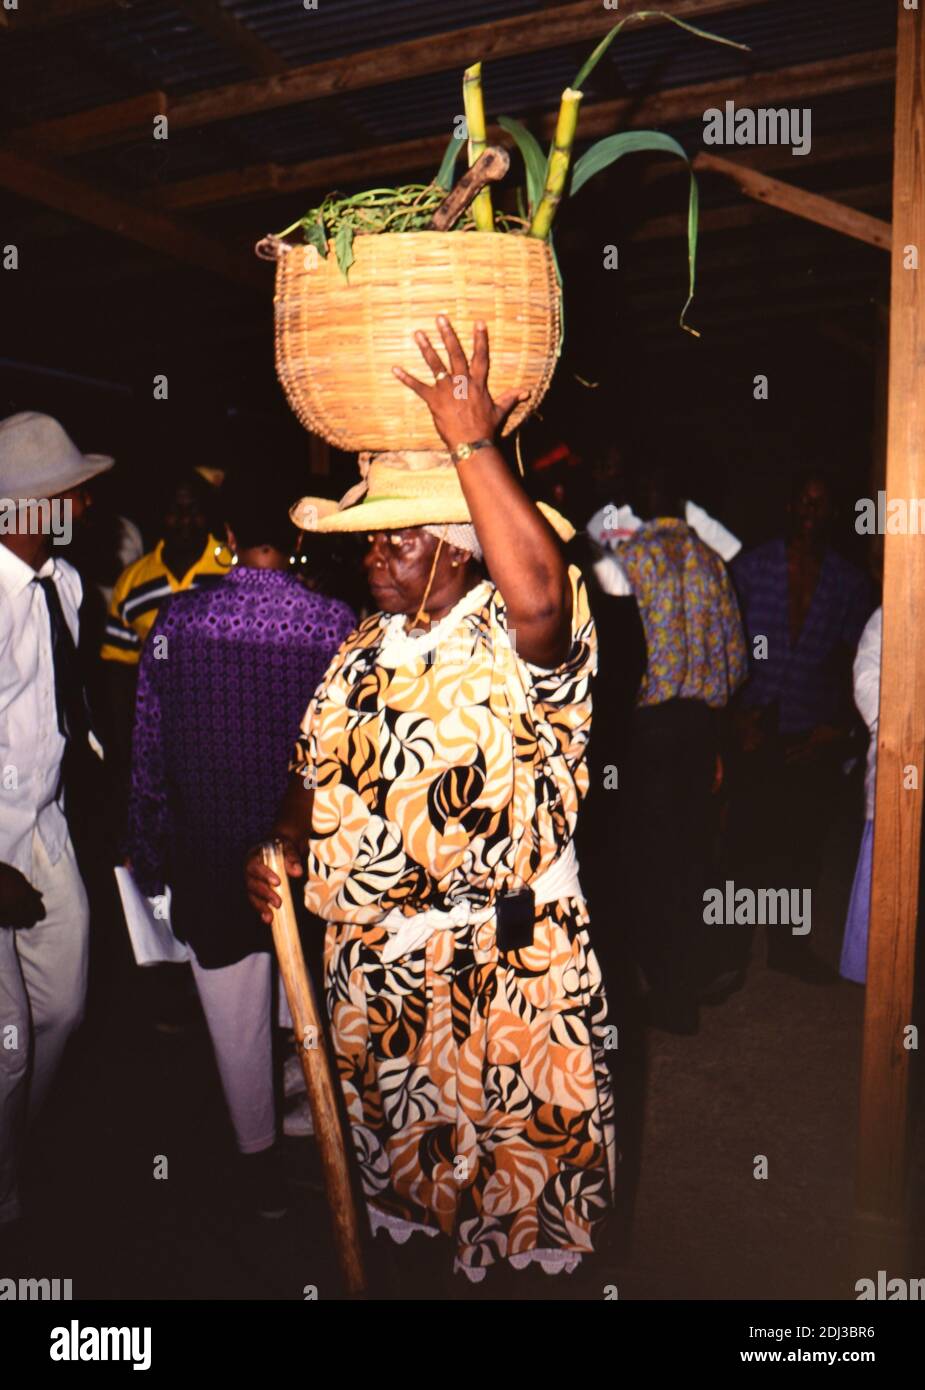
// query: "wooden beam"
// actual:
[[40, 183], [529, 33], [743, 215], [237, 40], [250, 50], [602, 118], [95, 128], [882, 1134], [852, 146], [786, 196], [374, 67]]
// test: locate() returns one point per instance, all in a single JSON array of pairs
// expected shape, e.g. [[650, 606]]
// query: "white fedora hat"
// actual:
[[39, 459]]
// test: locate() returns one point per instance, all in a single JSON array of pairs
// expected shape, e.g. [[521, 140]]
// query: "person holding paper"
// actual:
[[225, 675]]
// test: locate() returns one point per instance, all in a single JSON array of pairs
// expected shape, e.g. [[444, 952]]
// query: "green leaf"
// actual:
[[315, 235], [693, 206], [343, 247], [533, 157], [605, 152], [444, 178], [592, 62]]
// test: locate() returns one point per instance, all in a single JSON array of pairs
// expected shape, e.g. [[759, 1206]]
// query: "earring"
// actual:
[[234, 558], [217, 551], [454, 564]]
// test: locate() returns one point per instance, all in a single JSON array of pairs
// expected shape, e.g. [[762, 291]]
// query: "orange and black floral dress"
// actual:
[[448, 771]]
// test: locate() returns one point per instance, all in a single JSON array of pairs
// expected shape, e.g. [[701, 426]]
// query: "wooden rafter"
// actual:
[[248, 48], [43, 184], [852, 146], [527, 33], [601, 118], [786, 196], [235, 37], [94, 126], [745, 215]]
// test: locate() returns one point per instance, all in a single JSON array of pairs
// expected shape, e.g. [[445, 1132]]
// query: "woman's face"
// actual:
[[398, 568]]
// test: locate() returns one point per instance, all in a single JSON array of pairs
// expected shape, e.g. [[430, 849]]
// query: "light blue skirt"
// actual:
[[853, 965]]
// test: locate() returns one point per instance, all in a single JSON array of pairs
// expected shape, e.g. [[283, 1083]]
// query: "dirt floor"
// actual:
[[773, 1072]]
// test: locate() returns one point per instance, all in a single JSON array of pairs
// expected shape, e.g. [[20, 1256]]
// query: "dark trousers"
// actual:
[[666, 845], [780, 815]]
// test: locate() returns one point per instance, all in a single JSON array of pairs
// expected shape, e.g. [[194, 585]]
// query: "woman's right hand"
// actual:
[[261, 882]]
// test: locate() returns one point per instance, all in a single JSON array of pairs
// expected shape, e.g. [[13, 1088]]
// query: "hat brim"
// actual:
[[94, 464], [324, 517], [90, 466]]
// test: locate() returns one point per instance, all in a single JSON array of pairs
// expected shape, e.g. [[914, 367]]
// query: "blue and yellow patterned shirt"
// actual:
[[688, 608]]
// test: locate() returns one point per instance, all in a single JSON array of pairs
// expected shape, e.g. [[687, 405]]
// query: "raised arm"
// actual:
[[522, 552]]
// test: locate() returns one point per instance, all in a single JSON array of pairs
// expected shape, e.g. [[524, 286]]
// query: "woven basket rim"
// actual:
[[420, 231]]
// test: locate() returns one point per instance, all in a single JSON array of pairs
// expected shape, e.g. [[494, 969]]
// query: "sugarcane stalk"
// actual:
[[557, 166], [475, 122]]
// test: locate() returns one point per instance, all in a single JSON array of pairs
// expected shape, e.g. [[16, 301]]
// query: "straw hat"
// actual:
[[39, 459], [398, 490]]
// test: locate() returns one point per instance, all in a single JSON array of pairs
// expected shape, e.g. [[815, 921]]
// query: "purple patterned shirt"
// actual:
[[219, 706]]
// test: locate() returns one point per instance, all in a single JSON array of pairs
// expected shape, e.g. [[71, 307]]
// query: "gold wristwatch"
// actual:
[[462, 451]]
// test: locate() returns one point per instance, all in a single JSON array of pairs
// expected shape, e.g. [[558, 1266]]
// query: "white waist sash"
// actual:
[[407, 934]]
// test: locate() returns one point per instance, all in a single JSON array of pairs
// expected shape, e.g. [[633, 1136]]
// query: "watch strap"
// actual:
[[462, 451]]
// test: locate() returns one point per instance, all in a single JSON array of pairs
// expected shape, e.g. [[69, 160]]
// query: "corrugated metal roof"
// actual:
[[154, 44], [160, 47]]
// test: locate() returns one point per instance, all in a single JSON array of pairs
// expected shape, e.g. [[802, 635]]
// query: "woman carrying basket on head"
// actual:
[[434, 795]]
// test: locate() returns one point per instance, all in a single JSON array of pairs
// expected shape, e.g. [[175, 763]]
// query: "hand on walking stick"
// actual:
[[262, 882]]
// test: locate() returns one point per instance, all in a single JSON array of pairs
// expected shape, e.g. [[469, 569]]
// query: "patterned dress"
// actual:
[[476, 1082]]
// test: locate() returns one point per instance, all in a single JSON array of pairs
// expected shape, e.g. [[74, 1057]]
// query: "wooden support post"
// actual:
[[901, 738], [786, 196]]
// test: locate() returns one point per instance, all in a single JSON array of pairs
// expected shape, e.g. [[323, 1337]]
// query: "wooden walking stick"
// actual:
[[313, 1050]]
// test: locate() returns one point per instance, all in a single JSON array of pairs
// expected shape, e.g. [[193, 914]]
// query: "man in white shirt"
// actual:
[[43, 906]]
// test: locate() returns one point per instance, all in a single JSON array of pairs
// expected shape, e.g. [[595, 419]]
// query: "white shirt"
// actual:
[[609, 571], [867, 698], [31, 747]]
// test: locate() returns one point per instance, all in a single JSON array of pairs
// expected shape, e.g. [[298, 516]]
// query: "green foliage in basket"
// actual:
[[407, 209], [549, 178]]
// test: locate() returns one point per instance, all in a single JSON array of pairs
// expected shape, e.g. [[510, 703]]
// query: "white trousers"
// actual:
[[43, 988], [236, 1000]]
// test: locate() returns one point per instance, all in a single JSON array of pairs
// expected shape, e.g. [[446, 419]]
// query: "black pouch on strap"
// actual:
[[515, 914]]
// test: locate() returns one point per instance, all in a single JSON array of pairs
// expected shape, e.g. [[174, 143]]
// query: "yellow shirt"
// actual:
[[139, 592]]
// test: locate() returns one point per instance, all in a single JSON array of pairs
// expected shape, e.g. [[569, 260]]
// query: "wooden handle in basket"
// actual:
[[490, 167]]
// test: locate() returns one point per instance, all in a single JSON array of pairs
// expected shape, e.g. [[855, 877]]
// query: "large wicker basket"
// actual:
[[337, 340]]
